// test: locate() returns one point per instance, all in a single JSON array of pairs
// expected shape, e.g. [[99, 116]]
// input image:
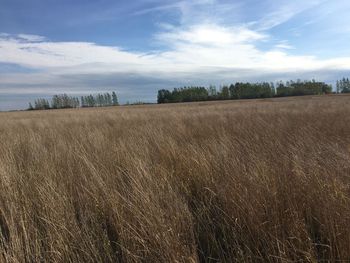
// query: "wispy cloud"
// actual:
[[210, 34], [182, 6], [284, 12], [31, 38], [188, 50], [284, 45]]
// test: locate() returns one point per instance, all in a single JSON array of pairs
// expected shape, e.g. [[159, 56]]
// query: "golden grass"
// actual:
[[238, 181]]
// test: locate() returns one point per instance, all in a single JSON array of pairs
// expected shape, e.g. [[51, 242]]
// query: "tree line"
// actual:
[[343, 85], [100, 100], [242, 90], [64, 101]]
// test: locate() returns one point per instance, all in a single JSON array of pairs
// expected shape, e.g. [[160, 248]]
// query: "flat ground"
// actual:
[[247, 181]]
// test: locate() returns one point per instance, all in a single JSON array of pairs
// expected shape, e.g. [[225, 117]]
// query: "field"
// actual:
[[234, 181]]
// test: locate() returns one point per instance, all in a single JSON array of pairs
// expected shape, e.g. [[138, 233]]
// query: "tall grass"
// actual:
[[252, 181]]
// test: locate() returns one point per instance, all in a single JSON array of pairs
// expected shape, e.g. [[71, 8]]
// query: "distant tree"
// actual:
[[301, 88], [55, 102], [185, 94], [76, 103], [64, 101], [99, 100], [248, 90], [41, 104], [30, 106], [114, 99], [212, 92], [326, 89], [273, 89], [346, 86], [91, 101], [164, 96], [338, 86], [343, 85], [225, 93], [232, 91], [108, 99], [82, 102]]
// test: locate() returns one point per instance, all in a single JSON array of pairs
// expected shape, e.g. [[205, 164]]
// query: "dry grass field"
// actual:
[[236, 181]]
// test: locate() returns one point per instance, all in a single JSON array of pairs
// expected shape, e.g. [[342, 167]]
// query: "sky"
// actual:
[[136, 47]]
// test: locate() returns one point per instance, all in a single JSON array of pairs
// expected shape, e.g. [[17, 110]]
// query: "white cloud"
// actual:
[[187, 46], [46, 55], [206, 45], [210, 34], [31, 38]]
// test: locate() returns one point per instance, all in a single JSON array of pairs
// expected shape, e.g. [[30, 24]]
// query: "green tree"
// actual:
[[212, 92], [225, 93], [30, 106], [114, 99], [164, 96]]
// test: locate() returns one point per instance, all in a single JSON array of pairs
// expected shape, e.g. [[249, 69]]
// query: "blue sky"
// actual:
[[137, 47]]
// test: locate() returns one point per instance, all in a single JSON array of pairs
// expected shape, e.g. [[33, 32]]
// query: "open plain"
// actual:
[[232, 181]]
